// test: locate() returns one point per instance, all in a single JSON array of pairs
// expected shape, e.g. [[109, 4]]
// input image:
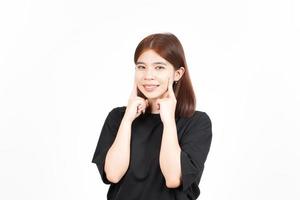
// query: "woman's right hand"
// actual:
[[136, 105]]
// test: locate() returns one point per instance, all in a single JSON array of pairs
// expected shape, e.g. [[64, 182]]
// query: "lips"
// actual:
[[150, 87]]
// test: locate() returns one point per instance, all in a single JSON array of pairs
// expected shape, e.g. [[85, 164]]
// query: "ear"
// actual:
[[179, 73]]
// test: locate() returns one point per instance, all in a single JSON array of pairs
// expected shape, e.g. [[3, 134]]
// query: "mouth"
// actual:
[[150, 88]]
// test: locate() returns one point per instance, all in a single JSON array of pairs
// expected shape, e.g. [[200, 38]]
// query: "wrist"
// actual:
[[126, 119], [169, 121]]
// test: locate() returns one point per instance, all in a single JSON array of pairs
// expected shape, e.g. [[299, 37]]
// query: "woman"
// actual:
[[155, 147]]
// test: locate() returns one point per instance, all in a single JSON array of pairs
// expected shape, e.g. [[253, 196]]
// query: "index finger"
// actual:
[[170, 88], [134, 89]]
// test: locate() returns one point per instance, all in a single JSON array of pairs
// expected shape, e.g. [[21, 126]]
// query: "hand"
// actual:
[[167, 104], [136, 105]]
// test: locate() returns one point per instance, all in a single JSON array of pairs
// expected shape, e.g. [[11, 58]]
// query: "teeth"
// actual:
[[150, 87]]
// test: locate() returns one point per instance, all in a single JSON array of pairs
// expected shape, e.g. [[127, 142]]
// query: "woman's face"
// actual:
[[152, 73]]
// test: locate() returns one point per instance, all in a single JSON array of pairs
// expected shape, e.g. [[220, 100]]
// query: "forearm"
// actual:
[[118, 156], [170, 155]]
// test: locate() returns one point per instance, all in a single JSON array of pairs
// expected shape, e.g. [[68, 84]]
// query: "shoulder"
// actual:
[[114, 117], [201, 114], [196, 128], [117, 112], [119, 109], [200, 119]]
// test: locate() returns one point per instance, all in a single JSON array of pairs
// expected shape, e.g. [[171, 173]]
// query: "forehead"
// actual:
[[150, 56]]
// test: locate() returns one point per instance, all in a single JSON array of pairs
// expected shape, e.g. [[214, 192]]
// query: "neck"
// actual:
[[153, 106]]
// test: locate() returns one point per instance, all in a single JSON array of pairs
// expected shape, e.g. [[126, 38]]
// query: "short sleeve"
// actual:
[[107, 136], [195, 145]]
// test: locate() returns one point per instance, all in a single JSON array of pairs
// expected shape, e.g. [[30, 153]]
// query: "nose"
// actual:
[[149, 73]]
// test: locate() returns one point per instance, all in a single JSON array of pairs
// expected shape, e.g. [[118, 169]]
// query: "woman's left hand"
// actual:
[[167, 104]]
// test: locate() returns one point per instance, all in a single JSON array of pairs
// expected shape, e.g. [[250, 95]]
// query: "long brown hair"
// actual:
[[169, 47]]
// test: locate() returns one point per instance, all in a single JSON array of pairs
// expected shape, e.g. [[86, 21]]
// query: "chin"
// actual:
[[153, 96]]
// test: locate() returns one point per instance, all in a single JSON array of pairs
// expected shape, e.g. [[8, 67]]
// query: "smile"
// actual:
[[150, 88]]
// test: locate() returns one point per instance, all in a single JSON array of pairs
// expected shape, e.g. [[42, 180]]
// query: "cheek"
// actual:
[[140, 86], [138, 78]]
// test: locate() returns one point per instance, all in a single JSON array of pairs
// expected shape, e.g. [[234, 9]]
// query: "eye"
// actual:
[[160, 67], [140, 67]]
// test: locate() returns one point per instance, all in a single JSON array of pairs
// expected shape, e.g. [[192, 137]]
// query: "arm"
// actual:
[[118, 156], [169, 158]]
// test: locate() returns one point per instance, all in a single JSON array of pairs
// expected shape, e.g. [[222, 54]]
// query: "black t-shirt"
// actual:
[[143, 179]]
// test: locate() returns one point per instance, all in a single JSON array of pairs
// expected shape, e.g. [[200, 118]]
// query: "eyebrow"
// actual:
[[154, 63]]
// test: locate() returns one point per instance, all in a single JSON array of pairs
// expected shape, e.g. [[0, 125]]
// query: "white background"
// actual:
[[65, 64]]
